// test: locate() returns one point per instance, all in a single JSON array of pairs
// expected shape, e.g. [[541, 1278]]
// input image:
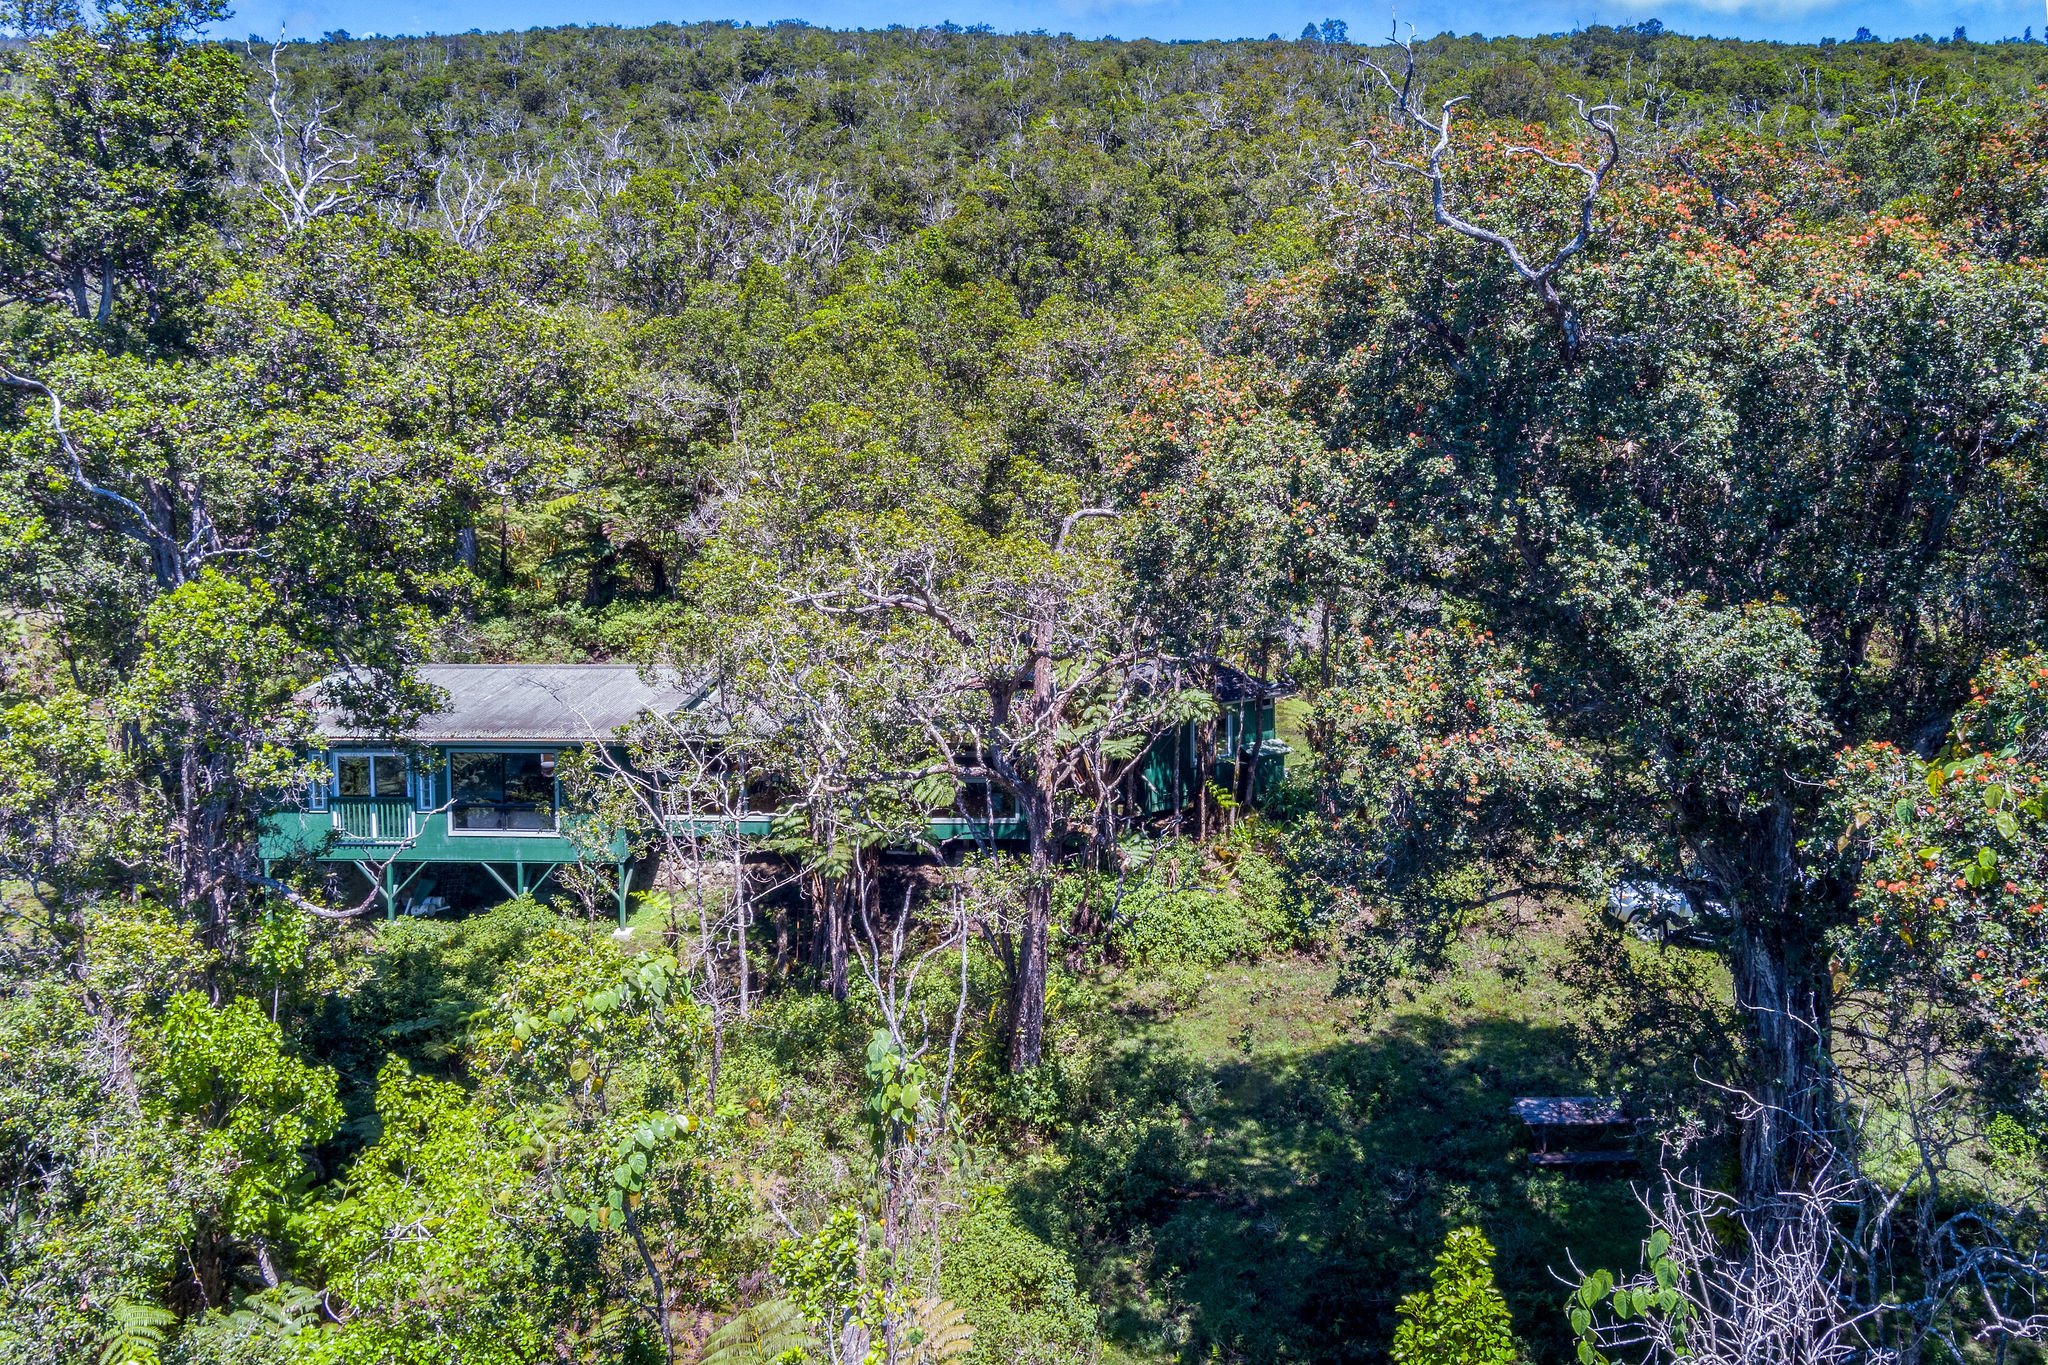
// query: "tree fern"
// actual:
[[285, 1311], [759, 1336], [139, 1331]]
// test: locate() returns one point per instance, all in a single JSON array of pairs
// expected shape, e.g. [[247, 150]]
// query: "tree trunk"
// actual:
[[1027, 998], [821, 930], [1781, 985], [782, 943], [1027, 1003], [743, 922], [835, 940], [1245, 762], [661, 1314]]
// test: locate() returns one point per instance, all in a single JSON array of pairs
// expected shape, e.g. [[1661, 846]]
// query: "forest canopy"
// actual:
[[1245, 607]]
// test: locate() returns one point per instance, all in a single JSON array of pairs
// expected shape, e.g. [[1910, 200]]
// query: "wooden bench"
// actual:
[[1582, 1158]]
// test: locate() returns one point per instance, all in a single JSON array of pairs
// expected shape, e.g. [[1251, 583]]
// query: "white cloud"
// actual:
[[1764, 9]]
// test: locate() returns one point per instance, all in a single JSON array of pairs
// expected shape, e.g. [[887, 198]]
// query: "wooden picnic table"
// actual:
[[1570, 1111], [1571, 1119]]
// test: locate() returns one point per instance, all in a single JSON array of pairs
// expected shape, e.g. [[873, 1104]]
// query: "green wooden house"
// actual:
[[472, 793], [469, 804], [1246, 737]]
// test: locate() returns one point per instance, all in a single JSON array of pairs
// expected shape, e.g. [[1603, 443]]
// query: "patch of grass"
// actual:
[[1262, 1174], [646, 921]]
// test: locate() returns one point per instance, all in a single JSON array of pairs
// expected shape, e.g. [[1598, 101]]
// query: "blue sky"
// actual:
[[1792, 20]]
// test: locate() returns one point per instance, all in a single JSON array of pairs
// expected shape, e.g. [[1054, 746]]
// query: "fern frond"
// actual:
[[759, 1335], [944, 1334], [285, 1311], [138, 1332]]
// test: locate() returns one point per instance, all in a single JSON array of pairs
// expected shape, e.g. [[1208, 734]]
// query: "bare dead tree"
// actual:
[[1905, 1246], [467, 193], [1542, 279], [595, 172], [1017, 674], [314, 168], [679, 786], [893, 956], [1941, 1246], [1777, 1300]]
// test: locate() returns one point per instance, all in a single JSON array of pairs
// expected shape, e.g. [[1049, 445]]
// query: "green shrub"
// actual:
[[2009, 1138], [429, 977], [425, 980], [1016, 1289], [1191, 916], [1461, 1318]]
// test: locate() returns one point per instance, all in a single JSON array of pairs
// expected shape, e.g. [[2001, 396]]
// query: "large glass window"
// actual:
[[507, 791], [986, 801], [364, 776]]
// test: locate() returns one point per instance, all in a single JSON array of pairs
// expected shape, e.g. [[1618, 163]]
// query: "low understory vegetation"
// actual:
[[1225, 1155]]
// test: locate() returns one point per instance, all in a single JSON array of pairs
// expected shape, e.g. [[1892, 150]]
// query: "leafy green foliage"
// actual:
[[64, 831], [578, 1013], [1950, 855], [1659, 1294], [1448, 729], [761, 1335], [137, 1334], [627, 1178], [1460, 1319], [428, 1202], [1182, 915], [114, 138], [1017, 1290], [426, 980], [254, 1108], [824, 1274], [900, 1094], [960, 402]]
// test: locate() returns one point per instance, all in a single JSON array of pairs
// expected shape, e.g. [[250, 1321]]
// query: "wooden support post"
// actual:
[[519, 877], [390, 894]]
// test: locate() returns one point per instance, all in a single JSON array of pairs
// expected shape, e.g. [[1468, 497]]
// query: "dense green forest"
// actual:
[[1617, 456]]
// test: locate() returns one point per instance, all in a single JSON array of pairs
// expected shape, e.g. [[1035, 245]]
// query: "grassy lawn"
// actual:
[[1261, 1175]]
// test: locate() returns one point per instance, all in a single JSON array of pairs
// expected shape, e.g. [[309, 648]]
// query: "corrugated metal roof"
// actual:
[[533, 703]]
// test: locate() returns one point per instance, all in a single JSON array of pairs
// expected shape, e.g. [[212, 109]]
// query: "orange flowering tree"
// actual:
[[1680, 460], [1950, 857]]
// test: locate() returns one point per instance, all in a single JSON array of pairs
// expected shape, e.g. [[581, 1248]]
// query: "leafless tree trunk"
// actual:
[[1542, 279], [892, 958], [682, 783], [313, 167], [1894, 1247]]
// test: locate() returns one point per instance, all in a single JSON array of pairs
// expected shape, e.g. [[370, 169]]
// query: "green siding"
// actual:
[[299, 834], [1166, 778], [304, 834]]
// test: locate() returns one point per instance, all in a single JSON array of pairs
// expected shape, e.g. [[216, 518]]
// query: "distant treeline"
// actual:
[[851, 139]]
